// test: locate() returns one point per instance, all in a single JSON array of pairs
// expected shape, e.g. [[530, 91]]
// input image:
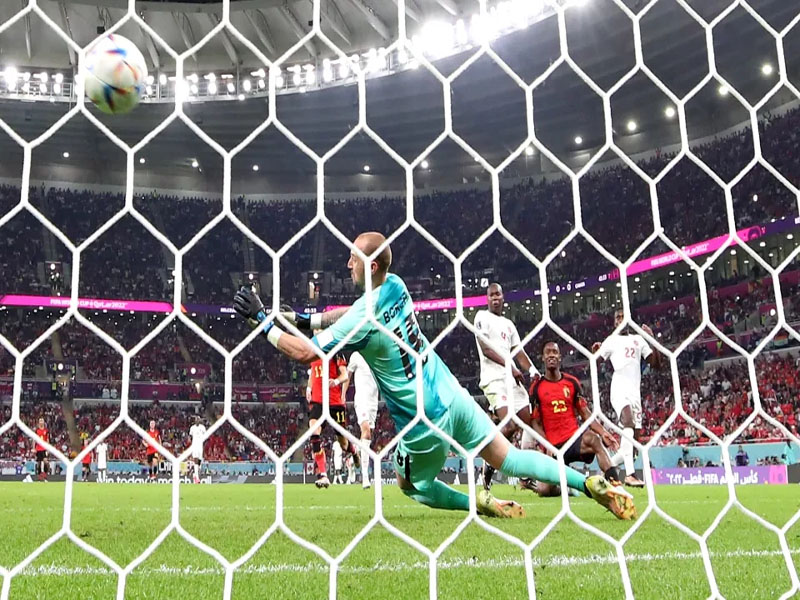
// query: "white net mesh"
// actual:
[[404, 44]]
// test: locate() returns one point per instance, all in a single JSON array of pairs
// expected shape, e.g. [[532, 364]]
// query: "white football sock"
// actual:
[[365, 461], [626, 450]]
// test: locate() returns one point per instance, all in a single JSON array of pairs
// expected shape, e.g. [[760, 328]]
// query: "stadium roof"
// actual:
[[406, 107]]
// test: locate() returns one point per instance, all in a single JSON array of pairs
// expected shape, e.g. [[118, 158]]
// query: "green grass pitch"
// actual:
[[123, 519]]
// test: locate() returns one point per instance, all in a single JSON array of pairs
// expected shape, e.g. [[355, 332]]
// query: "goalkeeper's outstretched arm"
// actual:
[[298, 348]]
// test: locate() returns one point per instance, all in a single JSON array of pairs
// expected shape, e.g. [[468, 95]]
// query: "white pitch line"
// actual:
[[457, 563]]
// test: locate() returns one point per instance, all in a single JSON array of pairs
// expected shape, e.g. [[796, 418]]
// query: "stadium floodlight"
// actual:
[[240, 97], [193, 78], [65, 154], [43, 77], [56, 88], [424, 164], [311, 77], [261, 84], [755, 197], [578, 140], [366, 168], [327, 75], [260, 73], [10, 74], [529, 151], [790, 236], [162, 79], [230, 87], [149, 80], [279, 81], [42, 88], [210, 76], [255, 168], [26, 76], [344, 69], [195, 164], [26, 87], [723, 90], [402, 56], [669, 112], [766, 69], [194, 89], [148, 90], [631, 126], [142, 160], [246, 85], [58, 77]]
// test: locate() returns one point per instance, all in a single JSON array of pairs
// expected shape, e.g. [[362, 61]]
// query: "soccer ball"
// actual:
[[115, 74]]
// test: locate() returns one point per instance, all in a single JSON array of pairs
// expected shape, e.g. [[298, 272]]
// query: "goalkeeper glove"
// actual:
[[249, 306]]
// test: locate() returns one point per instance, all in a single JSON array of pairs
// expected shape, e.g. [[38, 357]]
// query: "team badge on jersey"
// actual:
[[566, 392]]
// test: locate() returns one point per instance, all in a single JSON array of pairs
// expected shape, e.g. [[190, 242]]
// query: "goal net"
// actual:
[[607, 124]]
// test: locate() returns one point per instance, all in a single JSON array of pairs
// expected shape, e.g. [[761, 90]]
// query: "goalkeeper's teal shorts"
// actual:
[[420, 460]]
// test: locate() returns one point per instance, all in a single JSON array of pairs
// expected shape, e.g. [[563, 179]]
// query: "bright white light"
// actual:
[[424, 164], [766, 69], [240, 97], [193, 78], [327, 75], [194, 89], [231, 87], [42, 88], [260, 73], [631, 125], [762, 244], [59, 77], [195, 164], [26, 76], [148, 90], [10, 74], [578, 140], [296, 78], [261, 84], [142, 160], [56, 88], [210, 76], [279, 81], [212, 87], [26, 87], [723, 90], [255, 167], [246, 85], [402, 56], [162, 79], [755, 197], [366, 168], [462, 37], [65, 154], [311, 77], [436, 38], [43, 77], [790, 236], [669, 112], [344, 69]]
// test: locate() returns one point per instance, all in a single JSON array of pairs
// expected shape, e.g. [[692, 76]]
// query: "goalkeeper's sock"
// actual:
[[626, 450], [439, 495], [365, 461], [319, 460], [535, 465]]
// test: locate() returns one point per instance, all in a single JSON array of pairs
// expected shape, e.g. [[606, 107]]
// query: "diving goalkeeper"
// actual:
[[421, 453]]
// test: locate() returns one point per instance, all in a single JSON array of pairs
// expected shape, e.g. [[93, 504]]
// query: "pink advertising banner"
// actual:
[[772, 474]]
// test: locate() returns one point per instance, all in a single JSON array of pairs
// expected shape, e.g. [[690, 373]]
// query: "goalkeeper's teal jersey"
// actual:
[[395, 369]]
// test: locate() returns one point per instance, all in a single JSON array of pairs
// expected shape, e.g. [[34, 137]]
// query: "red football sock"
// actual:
[[319, 459]]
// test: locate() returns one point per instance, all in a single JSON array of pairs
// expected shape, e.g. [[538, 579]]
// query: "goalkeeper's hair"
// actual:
[[373, 240]]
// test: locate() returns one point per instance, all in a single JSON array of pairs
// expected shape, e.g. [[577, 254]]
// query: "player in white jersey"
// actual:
[[498, 337], [102, 461], [197, 432], [366, 404], [338, 463], [626, 350]]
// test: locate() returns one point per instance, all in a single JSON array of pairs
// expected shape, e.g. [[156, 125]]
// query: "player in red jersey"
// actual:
[[42, 464], [338, 381], [152, 451], [86, 462], [557, 401]]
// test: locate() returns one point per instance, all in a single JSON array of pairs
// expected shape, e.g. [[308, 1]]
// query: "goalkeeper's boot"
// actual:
[[614, 498], [633, 481], [322, 481], [490, 506], [526, 483]]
